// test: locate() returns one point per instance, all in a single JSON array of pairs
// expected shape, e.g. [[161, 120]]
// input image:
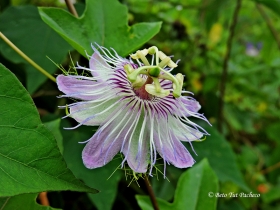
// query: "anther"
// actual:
[[171, 64]]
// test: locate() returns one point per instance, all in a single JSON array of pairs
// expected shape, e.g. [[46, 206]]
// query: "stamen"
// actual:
[[155, 72]]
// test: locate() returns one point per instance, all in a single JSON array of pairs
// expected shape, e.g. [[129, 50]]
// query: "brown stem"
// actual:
[[269, 24], [271, 168], [71, 8], [45, 93], [44, 199], [151, 193], [225, 65]]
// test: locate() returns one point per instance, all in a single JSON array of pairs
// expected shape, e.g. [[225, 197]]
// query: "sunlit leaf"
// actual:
[[103, 22], [30, 160]]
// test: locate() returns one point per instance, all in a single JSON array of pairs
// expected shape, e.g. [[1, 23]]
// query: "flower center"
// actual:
[[143, 87], [141, 92]]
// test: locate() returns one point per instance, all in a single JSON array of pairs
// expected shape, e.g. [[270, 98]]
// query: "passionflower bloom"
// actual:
[[139, 107]]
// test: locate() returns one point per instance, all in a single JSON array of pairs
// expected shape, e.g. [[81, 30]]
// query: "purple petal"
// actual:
[[190, 104], [77, 88], [173, 151], [91, 113], [137, 152], [102, 147], [99, 67], [166, 84], [182, 131]]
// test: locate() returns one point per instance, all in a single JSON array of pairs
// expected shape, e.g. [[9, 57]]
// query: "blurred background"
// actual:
[[244, 146]]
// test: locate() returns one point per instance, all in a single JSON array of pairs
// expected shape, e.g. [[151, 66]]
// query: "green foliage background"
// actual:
[[242, 158]]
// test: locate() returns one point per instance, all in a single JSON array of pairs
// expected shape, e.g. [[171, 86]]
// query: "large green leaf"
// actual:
[[54, 127], [220, 156], [194, 191], [24, 201], [24, 27], [96, 178], [104, 22], [30, 160]]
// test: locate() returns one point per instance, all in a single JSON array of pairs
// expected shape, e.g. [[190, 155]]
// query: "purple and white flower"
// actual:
[[138, 106]]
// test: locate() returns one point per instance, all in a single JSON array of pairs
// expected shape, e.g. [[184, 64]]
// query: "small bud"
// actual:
[[154, 72]]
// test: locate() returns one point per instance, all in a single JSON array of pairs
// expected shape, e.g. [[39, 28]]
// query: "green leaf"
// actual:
[[35, 39], [273, 131], [28, 201], [192, 191], [96, 178], [30, 160], [274, 5], [103, 22], [272, 195], [214, 10], [54, 127], [220, 156]]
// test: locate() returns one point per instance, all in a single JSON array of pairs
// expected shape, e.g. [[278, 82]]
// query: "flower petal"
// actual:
[[93, 112], [102, 147], [182, 131], [171, 149], [190, 104], [136, 147], [99, 68], [78, 88]]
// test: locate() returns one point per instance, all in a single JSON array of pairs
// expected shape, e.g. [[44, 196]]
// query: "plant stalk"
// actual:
[[269, 24], [225, 66], [71, 8], [151, 193], [24, 56]]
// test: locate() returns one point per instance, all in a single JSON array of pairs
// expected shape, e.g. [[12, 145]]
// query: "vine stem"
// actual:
[[269, 24], [151, 193], [225, 65], [44, 199], [24, 56], [271, 168], [71, 8]]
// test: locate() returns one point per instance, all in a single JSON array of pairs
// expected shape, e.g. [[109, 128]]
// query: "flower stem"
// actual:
[[71, 8], [151, 193], [225, 65], [24, 56]]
